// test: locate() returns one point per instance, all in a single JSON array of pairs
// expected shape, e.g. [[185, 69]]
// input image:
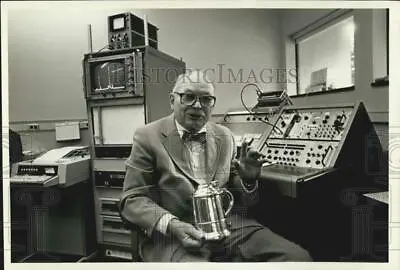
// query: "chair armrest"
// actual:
[[129, 225]]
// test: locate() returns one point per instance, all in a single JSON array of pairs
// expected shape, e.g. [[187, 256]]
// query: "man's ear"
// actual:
[[171, 100]]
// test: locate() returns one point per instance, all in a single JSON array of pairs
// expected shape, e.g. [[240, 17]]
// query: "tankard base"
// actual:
[[216, 236]]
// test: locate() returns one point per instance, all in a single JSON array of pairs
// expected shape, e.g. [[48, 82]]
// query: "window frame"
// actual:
[[313, 28], [387, 41], [383, 81]]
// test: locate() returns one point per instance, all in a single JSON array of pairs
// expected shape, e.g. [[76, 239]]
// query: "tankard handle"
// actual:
[[231, 200]]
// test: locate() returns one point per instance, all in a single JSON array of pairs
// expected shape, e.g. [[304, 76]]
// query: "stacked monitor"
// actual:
[[124, 89], [126, 30]]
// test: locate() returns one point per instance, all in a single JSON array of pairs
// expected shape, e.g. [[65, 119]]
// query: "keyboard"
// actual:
[[288, 173], [30, 179]]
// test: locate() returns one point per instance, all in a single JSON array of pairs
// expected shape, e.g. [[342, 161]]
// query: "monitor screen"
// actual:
[[109, 75], [118, 23], [114, 125]]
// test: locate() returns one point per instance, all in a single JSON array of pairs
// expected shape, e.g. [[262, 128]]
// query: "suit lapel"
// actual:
[[176, 149]]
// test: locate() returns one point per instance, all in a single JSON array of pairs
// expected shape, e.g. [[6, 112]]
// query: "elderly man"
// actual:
[[170, 158]]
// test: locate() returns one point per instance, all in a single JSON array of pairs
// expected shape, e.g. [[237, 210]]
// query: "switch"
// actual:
[[297, 118], [33, 126]]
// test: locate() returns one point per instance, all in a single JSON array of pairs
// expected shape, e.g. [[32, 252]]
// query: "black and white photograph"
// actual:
[[175, 133]]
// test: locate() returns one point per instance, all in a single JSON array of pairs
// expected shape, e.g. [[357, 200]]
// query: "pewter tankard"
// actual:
[[209, 213]]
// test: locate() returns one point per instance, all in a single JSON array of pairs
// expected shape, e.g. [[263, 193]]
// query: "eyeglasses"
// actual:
[[191, 99]]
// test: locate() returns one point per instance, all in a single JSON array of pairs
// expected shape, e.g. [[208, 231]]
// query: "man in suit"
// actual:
[[15, 151], [169, 159], [15, 147]]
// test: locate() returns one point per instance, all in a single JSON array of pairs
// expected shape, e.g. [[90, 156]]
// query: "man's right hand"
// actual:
[[186, 233]]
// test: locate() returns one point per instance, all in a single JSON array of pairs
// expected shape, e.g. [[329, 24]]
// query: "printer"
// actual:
[[61, 167]]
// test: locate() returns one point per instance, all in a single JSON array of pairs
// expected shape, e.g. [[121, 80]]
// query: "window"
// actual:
[[325, 54]]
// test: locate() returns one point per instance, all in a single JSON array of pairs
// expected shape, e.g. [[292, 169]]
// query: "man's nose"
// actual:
[[197, 104]]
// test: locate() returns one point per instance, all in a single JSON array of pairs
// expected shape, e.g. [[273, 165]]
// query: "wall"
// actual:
[[47, 43], [34, 143], [375, 98]]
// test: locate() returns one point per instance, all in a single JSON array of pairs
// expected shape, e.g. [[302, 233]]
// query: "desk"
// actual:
[[51, 224], [376, 206], [332, 223]]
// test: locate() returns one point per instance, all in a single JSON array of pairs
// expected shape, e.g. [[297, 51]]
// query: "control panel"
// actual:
[[307, 137], [316, 156], [307, 143], [250, 138], [312, 124], [248, 127], [126, 30]]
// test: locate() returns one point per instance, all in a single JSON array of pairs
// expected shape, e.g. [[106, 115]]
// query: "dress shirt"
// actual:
[[196, 155]]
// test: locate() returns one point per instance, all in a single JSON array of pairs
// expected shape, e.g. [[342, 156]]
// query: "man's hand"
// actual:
[[249, 163], [186, 233]]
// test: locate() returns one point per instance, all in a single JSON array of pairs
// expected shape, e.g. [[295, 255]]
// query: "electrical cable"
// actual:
[[102, 48], [259, 92]]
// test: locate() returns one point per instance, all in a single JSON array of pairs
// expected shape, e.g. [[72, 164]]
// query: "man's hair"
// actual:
[[195, 76]]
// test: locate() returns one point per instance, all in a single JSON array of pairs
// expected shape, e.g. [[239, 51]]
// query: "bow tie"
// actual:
[[199, 137]]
